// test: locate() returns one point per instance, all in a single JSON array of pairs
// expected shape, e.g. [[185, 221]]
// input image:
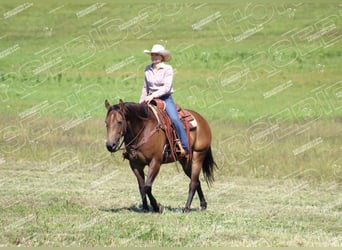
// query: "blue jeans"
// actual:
[[171, 110]]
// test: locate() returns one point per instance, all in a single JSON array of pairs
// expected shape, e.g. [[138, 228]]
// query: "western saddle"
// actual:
[[172, 148]]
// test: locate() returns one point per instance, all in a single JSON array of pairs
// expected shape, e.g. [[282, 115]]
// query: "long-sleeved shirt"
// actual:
[[157, 83]]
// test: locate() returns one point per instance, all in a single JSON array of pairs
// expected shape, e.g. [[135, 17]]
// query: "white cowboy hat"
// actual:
[[159, 49]]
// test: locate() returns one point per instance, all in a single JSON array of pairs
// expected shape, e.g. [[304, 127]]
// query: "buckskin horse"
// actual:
[[137, 126]]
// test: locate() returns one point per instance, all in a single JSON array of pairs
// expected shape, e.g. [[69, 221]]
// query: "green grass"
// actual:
[[265, 75], [88, 206]]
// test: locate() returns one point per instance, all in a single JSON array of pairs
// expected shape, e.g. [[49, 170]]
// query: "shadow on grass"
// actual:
[[138, 209]]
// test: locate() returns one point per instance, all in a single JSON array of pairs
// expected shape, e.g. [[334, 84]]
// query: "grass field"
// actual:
[[266, 75]]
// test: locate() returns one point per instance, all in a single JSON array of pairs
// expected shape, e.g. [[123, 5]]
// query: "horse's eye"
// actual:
[[120, 123]]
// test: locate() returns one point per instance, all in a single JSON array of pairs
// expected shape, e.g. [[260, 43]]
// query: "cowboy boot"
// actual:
[[181, 149]]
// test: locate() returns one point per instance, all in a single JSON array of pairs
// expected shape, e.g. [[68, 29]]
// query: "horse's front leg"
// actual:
[[153, 171], [139, 174]]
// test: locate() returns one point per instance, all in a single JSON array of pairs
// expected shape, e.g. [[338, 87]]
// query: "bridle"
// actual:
[[122, 132]]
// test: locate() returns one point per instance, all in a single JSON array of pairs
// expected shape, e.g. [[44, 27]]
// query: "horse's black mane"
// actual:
[[141, 110]]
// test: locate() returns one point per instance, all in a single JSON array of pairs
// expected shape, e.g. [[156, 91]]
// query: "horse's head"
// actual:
[[116, 125]]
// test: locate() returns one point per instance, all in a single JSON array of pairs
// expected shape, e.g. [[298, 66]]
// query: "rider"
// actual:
[[158, 84]]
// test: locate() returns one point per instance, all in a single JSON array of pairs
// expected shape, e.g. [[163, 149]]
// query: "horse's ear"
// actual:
[[122, 105], [107, 104]]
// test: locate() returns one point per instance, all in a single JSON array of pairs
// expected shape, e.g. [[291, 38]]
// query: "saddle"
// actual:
[[164, 122]]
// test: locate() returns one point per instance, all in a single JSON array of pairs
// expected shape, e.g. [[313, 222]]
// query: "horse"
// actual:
[[136, 126]]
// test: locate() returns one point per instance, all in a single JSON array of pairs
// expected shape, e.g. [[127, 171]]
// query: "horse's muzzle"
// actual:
[[111, 147]]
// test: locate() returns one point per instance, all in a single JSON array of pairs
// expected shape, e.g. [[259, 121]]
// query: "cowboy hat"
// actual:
[[159, 49]]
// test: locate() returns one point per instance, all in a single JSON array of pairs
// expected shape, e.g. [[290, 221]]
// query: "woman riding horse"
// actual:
[[158, 84]]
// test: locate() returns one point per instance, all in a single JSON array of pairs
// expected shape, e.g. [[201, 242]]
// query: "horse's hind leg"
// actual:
[[192, 190], [203, 202], [195, 185]]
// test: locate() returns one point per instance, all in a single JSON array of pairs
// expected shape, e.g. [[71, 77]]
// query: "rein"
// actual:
[[130, 143], [143, 140], [140, 131], [119, 148]]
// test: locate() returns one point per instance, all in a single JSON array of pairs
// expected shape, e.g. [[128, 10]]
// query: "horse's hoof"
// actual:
[[186, 210], [203, 206], [161, 208]]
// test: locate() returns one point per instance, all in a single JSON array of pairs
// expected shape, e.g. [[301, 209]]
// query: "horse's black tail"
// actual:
[[209, 166]]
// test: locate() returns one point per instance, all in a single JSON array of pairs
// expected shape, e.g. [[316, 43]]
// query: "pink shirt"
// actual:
[[157, 83]]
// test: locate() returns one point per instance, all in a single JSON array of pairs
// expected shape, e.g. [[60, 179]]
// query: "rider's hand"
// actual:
[[148, 99]]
